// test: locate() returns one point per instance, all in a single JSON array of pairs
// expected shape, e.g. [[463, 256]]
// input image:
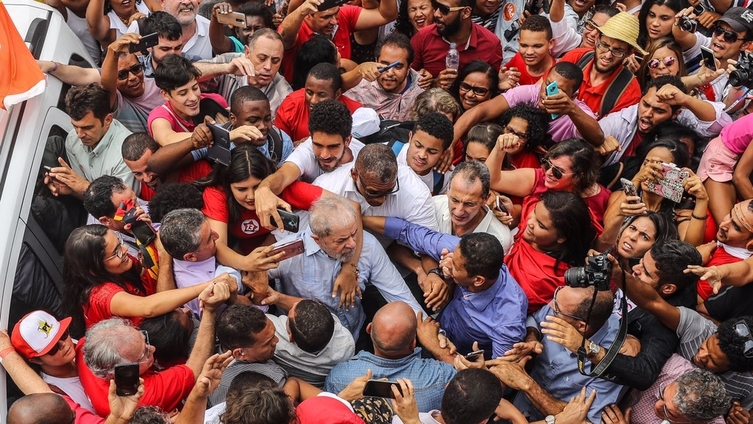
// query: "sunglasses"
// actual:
[[376, 195], [742, 330], [478, 91], [557, 172], [729, 36], [668, 61], [444, 9], [135, 70], [55, 349]]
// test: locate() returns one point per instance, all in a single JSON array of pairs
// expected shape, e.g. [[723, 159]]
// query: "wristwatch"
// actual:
[[437, 271], [549, 419], [593, 349]]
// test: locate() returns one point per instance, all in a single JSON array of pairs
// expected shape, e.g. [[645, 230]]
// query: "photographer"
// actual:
[[731, 35]]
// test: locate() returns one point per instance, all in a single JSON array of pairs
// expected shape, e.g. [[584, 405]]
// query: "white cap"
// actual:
[[365, 122]]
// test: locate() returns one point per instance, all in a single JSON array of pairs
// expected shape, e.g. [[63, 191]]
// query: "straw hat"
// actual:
[[624, 27]]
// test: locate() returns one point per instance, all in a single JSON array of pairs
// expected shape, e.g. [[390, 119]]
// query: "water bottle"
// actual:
[[453, 57]]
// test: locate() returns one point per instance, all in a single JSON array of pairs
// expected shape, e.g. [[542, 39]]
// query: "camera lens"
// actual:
[[738, 78]]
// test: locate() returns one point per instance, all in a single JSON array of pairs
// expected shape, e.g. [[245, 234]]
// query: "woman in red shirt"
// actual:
[[101, 281]]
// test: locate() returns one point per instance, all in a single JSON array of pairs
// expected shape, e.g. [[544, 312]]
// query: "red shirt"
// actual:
[[597, 203], [592, 95], [189, 174], [293, 114], [525, 159], [431, 50], [525, 78], [719, 257], [165, 389], [248, 230], [346, 22]]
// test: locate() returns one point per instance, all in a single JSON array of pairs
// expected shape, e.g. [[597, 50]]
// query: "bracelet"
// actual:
[[700, 218], [55, 68], [6, 351]]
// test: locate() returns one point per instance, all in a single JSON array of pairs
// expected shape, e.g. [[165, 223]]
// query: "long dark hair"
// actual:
[[474, 67], [675, 5], [84, 269], [572, 220], [583, 157], [245, 161]]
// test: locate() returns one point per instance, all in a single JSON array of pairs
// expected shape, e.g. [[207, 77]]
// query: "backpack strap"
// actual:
[[396, 146], [583, 61], [274, 144], [615, 90]]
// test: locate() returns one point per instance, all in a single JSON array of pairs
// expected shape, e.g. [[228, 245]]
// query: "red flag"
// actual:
[[20, 77]]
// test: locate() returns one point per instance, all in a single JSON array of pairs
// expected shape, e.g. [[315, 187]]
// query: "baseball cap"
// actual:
[[37, 333], [624, 27], [365, 122], [326, 410], [739, 18]]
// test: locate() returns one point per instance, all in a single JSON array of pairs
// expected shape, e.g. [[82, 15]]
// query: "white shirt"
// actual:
[[412, 202], [490, 224], [303, 157], [118, 25], [428, 179], [199, 44], [72, 387], [79, 27]]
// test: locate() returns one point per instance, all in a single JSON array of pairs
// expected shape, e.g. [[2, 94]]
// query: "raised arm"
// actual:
[[211, 297], [373, 18], [110, 64], [220, 42], [518, 182], [292, 23], [69, 74], [479, 113], [741, 179], [685, 39], [97, 21], [267, 198]]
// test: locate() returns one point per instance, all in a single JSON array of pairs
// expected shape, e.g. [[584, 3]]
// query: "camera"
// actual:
[[698, 10], [743, 75], [597, 272], [688, 25], [127, 212]]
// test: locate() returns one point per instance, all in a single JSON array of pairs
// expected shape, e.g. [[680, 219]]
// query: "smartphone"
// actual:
[[289, 249], [329, 4], [126, 379], [143, 232], [220, 150], [233, 19], [629, 188], [388, 67], [290, 220], [474, 355], [551, 90], [145, 42], [638, 59], [708, 58], [500, 206], [380, 388]]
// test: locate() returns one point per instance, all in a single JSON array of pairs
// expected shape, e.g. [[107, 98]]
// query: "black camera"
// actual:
[[743, 74], [698, 10], [688, 25], [597, 272]]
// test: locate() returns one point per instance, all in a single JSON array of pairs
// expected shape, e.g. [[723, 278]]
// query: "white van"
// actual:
[[24, 130]]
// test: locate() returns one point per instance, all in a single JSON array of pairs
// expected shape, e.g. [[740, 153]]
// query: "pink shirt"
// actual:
[[738, 135], [561, 128], [177, 124]]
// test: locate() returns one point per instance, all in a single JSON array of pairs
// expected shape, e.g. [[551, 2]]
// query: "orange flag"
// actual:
[[20, 77]]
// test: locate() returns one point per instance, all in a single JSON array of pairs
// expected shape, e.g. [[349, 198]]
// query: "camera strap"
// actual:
[[614, 349]]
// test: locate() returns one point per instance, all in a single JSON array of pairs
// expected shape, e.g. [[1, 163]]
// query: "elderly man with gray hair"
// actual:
[[329, 244], [115, 341]]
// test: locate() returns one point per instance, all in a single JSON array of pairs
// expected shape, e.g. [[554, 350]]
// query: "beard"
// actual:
[[450, 28]]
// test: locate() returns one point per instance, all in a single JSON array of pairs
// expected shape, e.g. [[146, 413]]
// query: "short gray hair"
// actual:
[[377, 160], [701, 395], [471, 171], [101, 352], [180, 232], [330, 213]]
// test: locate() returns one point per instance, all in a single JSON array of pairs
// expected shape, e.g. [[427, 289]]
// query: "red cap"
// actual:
[[37, 333]]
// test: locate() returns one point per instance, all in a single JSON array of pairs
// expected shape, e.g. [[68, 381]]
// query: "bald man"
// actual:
[[40, 408], [393, 332]]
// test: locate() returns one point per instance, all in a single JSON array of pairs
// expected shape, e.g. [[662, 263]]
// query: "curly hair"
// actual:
[[537, 133], [331, 117], [733, 344], [701, 395], [436, 125]]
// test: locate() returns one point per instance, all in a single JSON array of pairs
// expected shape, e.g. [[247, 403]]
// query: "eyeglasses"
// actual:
[[373, 195], [120, 252], [590, 25], [556, 307], [668, 61], [444, 9], [729, 36], [135, 70], [147, 348], [477, 91], [55, 349], [557, 172], [605, 48], [521, 136], [667, 414], [742, 330]]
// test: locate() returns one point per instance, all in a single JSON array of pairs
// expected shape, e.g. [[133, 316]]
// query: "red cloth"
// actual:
[[248, 230], [592, 95], [346, 22], [165, 389], [525, 159], [293, 114], [189, 174], [596, 204], [83, 415], [533, 270], [431, 50], [525, 78], [719, 257]]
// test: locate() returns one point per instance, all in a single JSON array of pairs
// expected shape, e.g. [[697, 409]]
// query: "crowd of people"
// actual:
[[493, 210]]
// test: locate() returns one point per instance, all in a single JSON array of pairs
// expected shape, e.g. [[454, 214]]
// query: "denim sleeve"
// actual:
[[420, 239]]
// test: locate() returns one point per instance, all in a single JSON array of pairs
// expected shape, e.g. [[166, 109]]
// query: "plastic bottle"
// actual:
[[453, 57]]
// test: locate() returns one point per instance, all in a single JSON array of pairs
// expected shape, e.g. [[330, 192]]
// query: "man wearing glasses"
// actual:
[[731, 35], [452, 24], [607, 85]]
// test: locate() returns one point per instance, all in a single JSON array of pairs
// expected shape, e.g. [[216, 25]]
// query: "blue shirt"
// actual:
[[312, 274], [429, 376], [556, 371], [495, 317]]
